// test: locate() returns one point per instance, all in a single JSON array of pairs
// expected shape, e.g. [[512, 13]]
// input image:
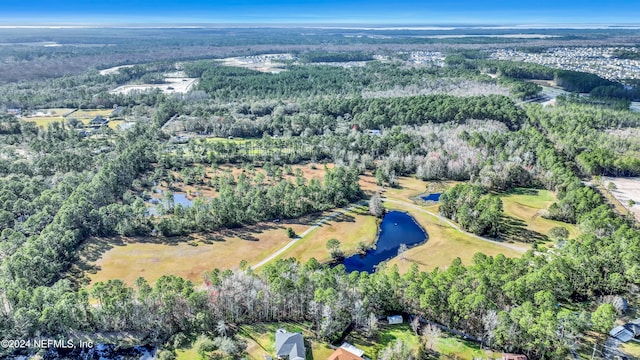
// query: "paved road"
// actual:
[[453, 225], [307, 232]]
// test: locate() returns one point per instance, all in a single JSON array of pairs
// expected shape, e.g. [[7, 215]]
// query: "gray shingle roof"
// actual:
[[289, 345]]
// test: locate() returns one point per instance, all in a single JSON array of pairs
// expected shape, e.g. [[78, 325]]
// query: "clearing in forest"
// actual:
[[523, 210], [625, 189], [188, 257]]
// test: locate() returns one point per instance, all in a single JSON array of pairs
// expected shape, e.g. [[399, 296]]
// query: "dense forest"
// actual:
[[388, 119]]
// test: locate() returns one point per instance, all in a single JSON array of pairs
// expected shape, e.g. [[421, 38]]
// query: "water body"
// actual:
[[396, 228], [431, 197], [178, 199]]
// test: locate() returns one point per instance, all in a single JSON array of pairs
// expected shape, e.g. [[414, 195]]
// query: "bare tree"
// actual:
[[430, 335], [402, 250], [375, 206], [490, 323]]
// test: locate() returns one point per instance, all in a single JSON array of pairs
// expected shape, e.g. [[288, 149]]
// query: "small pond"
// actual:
[[178, 199], [431, 197], [396, 228]]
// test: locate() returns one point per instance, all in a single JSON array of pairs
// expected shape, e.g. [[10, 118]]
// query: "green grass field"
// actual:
[[90, 113], [449, 347], [385, 336], [456, 348], [631, 348], [528, 204], [44, 121]]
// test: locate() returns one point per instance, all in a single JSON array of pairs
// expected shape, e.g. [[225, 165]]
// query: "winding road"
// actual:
[[363, 202]]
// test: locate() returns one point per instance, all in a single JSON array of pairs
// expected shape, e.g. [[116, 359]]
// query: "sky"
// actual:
[[41, 12]]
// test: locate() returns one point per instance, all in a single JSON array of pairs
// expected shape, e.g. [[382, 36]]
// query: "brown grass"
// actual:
[[350, 229], [129, 258], [445, 244]]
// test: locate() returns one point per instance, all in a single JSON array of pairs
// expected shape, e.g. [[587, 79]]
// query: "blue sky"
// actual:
[[17, 12]]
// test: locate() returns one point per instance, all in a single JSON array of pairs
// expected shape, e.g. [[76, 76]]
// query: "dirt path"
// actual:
[[453, 225], [307, 232]]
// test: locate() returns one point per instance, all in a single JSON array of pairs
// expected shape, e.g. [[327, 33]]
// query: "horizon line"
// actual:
[[326, 24]]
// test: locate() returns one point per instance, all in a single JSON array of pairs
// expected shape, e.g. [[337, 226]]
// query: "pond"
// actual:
[[431, 197], [178, 199], [396, 228]]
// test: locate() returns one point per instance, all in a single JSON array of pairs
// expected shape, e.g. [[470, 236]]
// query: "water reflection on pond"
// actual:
[[396, 228]]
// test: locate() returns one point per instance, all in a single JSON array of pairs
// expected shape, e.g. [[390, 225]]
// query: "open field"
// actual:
[[527, 205], [309, 172], [263, 63], [130, 258], [82, 114], [626, 189], [172, 86], [446, 243], [52, 112], [114, 70], [350, 228], [44, 121]]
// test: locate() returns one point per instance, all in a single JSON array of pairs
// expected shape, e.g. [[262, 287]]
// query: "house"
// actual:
[[14, 111], [347, 351], [117, 110], [289, 346], [626, 332], [99, 121], [394, 319]]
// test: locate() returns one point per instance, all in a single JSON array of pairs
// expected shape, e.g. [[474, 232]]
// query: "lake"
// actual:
[[396, 228], [431, 197]]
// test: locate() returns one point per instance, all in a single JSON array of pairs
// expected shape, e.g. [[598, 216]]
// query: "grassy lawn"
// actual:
[[188, 354], [90, 113], [631, 348], [446, 243], [454, 347], [350, 228], [221, 139], [386, 335], [528, 204], [188, 257], [44, 121]]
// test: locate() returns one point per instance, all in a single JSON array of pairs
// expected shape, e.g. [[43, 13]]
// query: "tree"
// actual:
[[603, 318], [559, 233], [401, 250], [291, 233], [222, 328], [372, 325], [430, 336], [333, 245], [375, 206]]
